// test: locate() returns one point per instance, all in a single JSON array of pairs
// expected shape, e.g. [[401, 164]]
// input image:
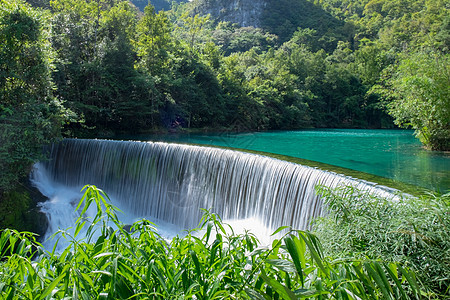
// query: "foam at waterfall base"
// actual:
[[60, 209]]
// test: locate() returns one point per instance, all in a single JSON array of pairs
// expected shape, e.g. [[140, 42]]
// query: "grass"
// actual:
[[211, 262]]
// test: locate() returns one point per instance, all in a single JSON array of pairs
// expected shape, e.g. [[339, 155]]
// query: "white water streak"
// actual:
[[172, 182]]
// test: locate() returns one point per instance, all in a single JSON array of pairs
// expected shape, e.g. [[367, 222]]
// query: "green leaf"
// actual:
[[209, 227], [280, 229], [103, 272], [283, 291], [49, 289], [255, 295], [105, 254], [378, 280], [312, 244], [392, 270], [295, 255], [305, 293], [410, 277], [79, 226], [281, 264], [259, 250], [197, 265]]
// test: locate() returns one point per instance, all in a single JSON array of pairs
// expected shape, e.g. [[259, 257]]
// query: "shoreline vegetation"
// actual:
[[116, 263]]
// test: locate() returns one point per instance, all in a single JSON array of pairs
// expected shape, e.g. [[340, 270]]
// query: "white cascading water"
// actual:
[[172, 182]]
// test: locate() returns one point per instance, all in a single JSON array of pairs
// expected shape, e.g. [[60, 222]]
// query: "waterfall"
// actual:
[[172, 182]]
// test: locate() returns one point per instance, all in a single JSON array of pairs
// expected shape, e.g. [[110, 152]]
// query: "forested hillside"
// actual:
[[97, 68], [157, 4], [395, 51]]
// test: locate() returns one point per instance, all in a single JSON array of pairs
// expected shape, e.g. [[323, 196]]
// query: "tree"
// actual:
[[154, 40], [75, 38], [193, 26], [130, 95], [30, 115], [420, 93], [96, 71]]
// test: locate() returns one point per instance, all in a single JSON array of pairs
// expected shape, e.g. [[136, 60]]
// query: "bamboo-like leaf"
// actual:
[[114, 276], [11, 294], [352, 294], [99, 244], [49, 289], [31, 275], [281, 264], [4, 238], [378, 280], [358, 268], [21, 248], [74, 292], [358, 288], [213, 251], [160, 277], [259, 250], [105, 254], [306, 293], [209, 227], [411, 280], [103, 272], [301, 249], [383, 277], [255, 295], [128, 272], [280, 229], [85, 279], [295, 255], [83, 198], [196, 264], [392, 270], [79, 226], [283, 291], [313, 250]]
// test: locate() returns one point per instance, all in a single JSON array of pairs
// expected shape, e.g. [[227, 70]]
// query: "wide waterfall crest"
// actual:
[[172, 182]]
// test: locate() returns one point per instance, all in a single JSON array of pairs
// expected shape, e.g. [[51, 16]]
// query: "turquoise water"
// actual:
[[394, 154]]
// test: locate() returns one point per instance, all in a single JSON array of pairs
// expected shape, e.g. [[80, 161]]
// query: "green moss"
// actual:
[[18, 210], [13, 207]]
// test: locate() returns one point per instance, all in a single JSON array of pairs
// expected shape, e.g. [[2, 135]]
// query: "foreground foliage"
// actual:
[[211, 263], [413, 231]]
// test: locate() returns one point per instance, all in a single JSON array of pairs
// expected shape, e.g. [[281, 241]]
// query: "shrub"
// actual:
[[412, 231]]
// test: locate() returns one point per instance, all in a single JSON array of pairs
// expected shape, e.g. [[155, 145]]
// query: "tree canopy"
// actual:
[[351, 64], [30, 114]]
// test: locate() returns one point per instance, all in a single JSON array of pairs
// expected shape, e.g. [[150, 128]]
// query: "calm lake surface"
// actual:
[[394, 154]]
